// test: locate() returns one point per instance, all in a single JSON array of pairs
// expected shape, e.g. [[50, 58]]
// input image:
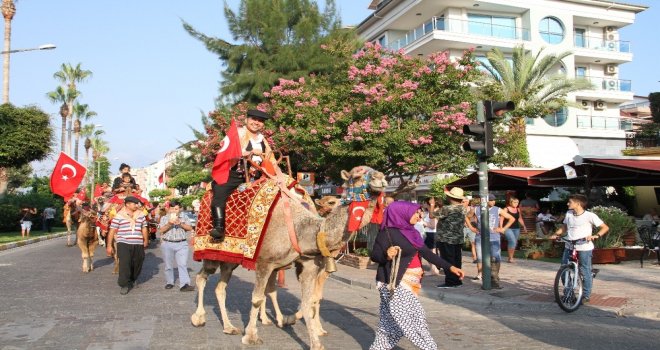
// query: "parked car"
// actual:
[[192, 216]]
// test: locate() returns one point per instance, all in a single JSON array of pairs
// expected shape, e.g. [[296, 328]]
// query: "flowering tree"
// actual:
[[399, 114]]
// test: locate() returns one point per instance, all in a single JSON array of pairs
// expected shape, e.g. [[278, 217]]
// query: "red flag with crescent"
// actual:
[[67, 176], [355, 213], [228, 155], [377, 217]]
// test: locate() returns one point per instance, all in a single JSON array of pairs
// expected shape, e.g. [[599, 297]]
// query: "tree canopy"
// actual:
[[275, 39], [399, 114], [26, 135]]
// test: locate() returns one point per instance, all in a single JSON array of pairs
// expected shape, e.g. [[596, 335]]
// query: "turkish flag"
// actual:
[[355, 213], [377, 217], [228, 155], [98, 191], [67, 176], [161, 177]]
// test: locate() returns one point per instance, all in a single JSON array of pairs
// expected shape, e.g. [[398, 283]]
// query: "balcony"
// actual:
[[603, 123], [460, 26], [610, 84], [596, 43]]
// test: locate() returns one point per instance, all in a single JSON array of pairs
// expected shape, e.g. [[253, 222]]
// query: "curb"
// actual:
[[17, 244]]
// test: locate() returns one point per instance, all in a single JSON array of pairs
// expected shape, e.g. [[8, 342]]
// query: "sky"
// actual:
[[152, 81]]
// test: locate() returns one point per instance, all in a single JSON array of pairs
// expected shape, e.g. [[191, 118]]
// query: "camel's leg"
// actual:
[[318, 296], [198, 318], [262, 275], [271, 291], [84, 253], [92, 249], [308, 281], [226, 271]]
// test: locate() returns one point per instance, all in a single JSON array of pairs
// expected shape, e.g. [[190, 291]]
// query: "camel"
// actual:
[[277, 252], [87, 239]]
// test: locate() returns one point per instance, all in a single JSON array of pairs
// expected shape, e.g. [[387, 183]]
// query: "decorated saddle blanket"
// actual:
[[247, 214]]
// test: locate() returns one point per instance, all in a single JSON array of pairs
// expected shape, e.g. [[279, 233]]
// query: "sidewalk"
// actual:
[[22, 243], [624, 289]]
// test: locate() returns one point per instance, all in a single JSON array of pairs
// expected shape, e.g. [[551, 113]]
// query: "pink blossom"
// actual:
[[313, 131], [407, 95], [400, 163]]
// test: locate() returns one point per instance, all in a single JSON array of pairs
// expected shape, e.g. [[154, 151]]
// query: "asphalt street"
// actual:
[[48, 303]]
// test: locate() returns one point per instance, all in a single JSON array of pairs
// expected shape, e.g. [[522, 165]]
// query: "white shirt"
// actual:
[[581, 226]]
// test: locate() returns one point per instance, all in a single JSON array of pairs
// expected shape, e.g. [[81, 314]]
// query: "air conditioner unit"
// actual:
[[585, 104], [599, 105], [611, 69], [611, 45], [609, 29], [610, 84]]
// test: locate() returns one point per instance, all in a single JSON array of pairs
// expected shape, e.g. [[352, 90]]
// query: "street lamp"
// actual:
[[5, 67]]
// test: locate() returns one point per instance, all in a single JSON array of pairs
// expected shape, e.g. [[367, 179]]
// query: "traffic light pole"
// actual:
[[483, 203]]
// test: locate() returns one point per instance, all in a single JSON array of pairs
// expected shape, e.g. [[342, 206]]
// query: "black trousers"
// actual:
[[131, 257], [49, 225], [222, 192], [453, 254]]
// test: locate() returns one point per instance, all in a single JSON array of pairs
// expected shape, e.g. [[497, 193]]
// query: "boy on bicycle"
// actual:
[[579, 224]]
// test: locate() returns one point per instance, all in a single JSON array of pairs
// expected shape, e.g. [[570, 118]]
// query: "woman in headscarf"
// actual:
[[401, 313]]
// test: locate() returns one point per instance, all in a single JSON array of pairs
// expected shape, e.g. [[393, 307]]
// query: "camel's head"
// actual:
[[325, 204], [361, 182]]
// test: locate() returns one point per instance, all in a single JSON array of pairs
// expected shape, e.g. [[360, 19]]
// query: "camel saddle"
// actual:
[[247, 215]]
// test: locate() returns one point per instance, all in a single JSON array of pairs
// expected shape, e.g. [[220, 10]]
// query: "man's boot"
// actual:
[[495, 275], [218, 231]]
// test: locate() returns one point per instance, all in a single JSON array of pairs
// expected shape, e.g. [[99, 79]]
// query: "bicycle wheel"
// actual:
[[568, 289]]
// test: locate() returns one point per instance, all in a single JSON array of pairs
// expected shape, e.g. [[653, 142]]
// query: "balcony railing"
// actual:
[[596, 43], [604, 83], [642, 141], [460, 26], [603, 123]]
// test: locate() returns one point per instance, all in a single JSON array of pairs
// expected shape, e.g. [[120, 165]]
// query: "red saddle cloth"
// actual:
[[247, 214]]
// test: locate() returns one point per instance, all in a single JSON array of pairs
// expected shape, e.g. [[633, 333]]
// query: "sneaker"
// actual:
[[594, 272], [447, 286], [586, 300], [123, 291], [477, 277], [475, 261], [187, 288], [169, 286]]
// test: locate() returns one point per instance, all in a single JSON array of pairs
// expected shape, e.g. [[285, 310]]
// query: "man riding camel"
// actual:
[[255, 148]]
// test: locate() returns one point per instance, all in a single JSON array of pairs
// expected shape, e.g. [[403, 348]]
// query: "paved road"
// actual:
[[47, 303]]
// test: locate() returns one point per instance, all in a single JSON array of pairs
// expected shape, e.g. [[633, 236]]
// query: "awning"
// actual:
[[611, 171], [498, 179]]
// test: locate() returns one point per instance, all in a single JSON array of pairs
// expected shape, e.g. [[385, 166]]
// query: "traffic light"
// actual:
[[483, 132], [483, 139]]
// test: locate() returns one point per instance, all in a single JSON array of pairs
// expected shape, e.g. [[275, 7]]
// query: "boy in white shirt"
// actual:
[[579, 224]]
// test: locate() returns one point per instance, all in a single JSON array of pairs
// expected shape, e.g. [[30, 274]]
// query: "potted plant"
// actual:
[[358, 259], [609, 247]]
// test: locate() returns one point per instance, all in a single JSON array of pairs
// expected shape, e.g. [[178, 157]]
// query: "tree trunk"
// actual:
[[4, 180], [5, 64], [63, 138], [68, 133], [75, 147]]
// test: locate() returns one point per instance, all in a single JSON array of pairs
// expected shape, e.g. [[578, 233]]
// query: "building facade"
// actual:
[[587, 28]]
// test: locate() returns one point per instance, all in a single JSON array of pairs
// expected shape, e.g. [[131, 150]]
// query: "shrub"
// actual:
[[9, 217], [361, 252]]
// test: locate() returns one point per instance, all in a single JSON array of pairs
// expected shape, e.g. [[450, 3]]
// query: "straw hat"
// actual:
[[456, 193]]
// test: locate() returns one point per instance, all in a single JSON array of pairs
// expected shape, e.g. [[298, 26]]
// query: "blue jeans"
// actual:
[[495, 249], [585, 268], [512, 235], [177, 251]]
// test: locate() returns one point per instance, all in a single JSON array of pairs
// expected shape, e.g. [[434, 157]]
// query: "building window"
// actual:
[[500, 27], [382, 41], [580, 72], [551, 30], [558, 118], [580, 38]]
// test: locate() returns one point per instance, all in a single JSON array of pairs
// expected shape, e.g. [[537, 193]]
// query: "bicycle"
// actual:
[[568, 281]]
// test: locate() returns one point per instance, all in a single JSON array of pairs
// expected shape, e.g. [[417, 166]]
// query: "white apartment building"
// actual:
[[587, 28], [148, 177]]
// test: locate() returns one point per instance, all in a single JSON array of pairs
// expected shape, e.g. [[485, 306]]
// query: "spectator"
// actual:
[[49, 217], [544, 222], [529, 206], [401, 313], [129, 228], [174, 230], [495, 229], [578, 225], [430, 225], [452, 219], [27, 216], [513, 233]]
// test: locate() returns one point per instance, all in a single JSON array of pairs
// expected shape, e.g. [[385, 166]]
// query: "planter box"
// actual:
[[608, 255], [535, 255], [358, 262]]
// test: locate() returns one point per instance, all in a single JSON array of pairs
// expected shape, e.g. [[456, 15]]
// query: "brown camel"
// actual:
[[277, 252], [87, 239]]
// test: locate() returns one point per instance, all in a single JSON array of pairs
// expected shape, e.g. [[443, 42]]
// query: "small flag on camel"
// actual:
[[228, 155], [67, 176]]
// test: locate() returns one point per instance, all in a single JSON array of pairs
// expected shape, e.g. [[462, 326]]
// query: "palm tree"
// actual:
[[88, 131], [8, 12], [62, 95], [80, 111], [99, 149], [69, 76], [529, 81]]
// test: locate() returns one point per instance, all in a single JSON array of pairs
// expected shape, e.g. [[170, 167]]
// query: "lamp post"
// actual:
[[5, 82]]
